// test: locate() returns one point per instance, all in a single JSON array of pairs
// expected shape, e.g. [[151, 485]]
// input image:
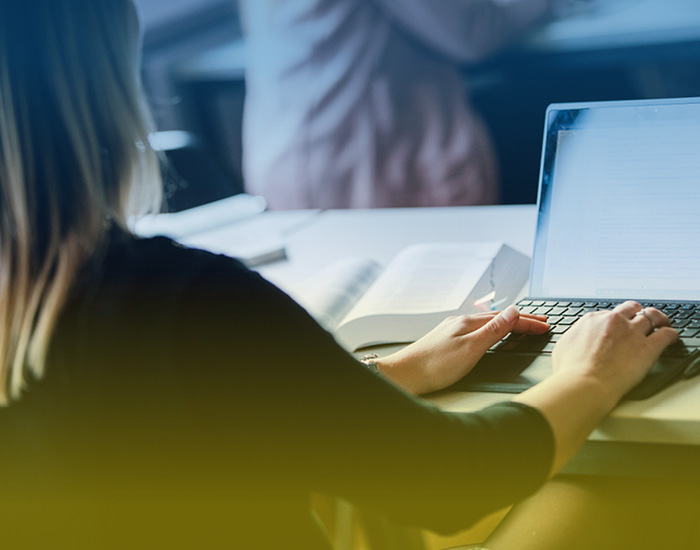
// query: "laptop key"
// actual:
[[538, 337], [693, 342], [569, 320], [505, 345]]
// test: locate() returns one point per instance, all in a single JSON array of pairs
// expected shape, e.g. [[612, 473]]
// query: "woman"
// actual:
[[156, 395]]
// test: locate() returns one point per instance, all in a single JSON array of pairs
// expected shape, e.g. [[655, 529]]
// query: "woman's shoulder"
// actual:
[[159, 287], [158, 283], [162, 258], [160, 267]]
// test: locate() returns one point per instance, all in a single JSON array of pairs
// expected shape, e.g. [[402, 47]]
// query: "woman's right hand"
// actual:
[[615, 348], [602, 357]]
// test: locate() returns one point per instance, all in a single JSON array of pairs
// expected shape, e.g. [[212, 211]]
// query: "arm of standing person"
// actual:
[[468, 30]]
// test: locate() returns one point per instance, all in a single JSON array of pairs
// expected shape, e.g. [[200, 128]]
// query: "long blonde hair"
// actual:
[[74, 158]]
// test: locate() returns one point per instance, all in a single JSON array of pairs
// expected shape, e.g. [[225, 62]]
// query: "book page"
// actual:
[[425, 279], [332, 292]]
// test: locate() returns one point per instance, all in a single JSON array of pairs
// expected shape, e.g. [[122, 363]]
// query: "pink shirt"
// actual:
[[363, 103]]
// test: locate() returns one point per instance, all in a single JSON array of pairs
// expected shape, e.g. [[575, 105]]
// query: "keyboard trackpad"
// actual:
[[507, 373]]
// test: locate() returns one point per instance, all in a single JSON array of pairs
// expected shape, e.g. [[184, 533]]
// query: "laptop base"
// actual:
[[514, 373]]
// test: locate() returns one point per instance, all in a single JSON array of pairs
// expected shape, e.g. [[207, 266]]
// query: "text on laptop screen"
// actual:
[[619, 206]]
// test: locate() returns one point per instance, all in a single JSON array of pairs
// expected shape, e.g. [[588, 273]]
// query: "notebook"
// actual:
[[618, 218]]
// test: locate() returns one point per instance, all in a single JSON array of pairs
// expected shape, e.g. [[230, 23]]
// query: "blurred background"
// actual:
[[178, 37], [194, 70]]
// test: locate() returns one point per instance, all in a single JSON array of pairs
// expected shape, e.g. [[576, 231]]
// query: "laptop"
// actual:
[[618, 218]]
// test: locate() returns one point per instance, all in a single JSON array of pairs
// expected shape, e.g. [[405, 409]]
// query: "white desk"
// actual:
[[380, 234], [657, 436]]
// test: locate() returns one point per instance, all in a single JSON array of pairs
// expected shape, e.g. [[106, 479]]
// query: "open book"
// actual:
[[363, 304]]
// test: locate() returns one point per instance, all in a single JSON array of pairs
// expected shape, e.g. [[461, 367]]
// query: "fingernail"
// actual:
[[510, 314]]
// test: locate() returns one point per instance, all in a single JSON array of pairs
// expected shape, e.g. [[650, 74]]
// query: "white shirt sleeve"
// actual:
[[466, 30]]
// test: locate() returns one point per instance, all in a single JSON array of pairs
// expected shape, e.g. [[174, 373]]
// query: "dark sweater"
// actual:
[[187, 401]]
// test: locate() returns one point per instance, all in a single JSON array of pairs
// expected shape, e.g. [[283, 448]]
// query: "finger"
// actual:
[[461, 325], [531, 316], [527, 324], [531, 326], [490, 314], [628, 308], [649, 319], [660, 318], [662, 338], [484, 316], [496, 329]]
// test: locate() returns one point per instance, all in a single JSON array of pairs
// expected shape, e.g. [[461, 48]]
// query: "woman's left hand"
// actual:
[[448, 352]]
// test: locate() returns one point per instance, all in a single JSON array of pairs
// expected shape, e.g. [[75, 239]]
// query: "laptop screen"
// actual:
[[619, 202]]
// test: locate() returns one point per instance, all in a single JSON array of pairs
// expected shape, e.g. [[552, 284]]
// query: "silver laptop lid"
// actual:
[[619, 201]]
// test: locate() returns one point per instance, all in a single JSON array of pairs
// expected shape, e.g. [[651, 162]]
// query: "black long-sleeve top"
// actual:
[[187, 401]]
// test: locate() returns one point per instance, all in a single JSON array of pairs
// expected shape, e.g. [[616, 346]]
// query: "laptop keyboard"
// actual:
[[562, 314]]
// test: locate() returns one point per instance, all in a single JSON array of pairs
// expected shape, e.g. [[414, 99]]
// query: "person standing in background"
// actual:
[[363, 103]]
